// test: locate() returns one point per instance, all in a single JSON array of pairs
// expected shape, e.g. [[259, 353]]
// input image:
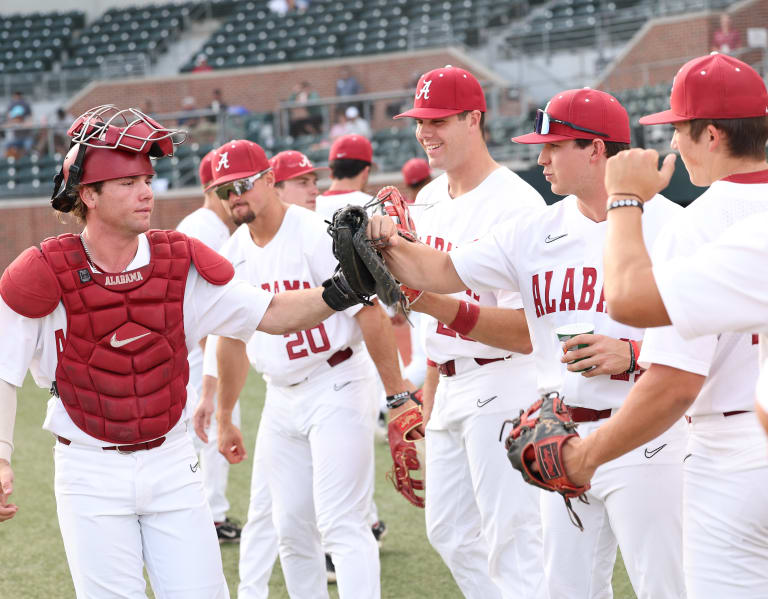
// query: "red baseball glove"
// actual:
[[407, 455], [394, 204], [539, 440]]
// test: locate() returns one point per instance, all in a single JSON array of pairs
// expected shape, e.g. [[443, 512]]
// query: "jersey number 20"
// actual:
[[296, 346]]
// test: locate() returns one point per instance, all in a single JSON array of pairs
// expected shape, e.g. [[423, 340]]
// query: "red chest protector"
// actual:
[[122, 370]]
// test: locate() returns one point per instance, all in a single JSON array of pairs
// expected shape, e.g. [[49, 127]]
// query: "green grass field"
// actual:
[[33, 564]]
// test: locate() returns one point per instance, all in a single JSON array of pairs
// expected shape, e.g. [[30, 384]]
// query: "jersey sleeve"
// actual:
[[485, 264], [664, 345], [232, 310], [722, 287], [16, 356]]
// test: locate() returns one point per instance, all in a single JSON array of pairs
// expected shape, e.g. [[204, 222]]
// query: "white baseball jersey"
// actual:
[[234, 310], [554, 259], [728, 360], [329, 202], [203, 224], [723, 286], [452, 222], [298, 257]]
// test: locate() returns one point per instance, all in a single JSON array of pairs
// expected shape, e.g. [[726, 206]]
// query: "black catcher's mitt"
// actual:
[[539, 440], [361, 272]]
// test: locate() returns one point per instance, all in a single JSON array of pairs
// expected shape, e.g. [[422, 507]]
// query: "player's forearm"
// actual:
[[498, 327], [233, 371], [7, 419], [297, 310], [658, 400], [630, 288], [379, 338], [422, 267]]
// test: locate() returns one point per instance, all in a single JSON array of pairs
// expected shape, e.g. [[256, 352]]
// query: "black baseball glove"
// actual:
[[361, 272], [539, 440]]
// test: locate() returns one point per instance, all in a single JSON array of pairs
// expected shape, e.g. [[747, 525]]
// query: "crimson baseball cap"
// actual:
[[355, 147], [205, 172], [579, 114], [290, 163], [415, 170], [237, 159], [444, 92], [716, 86]]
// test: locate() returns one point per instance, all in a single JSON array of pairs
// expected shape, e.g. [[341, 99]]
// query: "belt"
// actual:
[[124, 448], [587, 415], [340, 356], [449, 368], [725, 414]]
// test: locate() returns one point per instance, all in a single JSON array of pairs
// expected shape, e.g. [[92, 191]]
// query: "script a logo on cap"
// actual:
[[223, 162], [304, 161], [424, 91]]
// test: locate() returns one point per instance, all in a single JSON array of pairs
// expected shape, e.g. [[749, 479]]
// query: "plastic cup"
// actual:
[[568, 331]]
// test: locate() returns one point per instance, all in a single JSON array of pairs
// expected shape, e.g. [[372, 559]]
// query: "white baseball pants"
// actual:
[[317, 438], [481, 517], [635, 503], [120, 512], [725, 508]]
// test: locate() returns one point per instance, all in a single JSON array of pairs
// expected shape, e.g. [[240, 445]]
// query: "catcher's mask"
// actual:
[[109, 143]]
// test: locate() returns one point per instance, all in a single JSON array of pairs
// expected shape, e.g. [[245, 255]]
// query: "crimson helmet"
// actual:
[[108, 143]]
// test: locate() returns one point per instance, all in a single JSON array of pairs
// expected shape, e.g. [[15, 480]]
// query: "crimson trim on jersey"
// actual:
[[748, 178]]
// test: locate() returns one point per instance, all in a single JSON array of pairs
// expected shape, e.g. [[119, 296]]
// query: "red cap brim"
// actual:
[[538, 138], [428, 113], [312, 169], [662, 118]]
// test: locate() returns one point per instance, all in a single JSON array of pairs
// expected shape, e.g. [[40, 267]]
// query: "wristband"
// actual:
[[626, 202], [466, 318], [632, 358], [636, 350], [398, 399]]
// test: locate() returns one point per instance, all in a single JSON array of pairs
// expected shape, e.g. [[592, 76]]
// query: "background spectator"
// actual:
[[18, 106], [201, 64], [356, 124], [307, 120], [726, 39]]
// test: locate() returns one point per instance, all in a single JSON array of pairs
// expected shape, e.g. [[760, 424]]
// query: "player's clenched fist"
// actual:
[[636, 172], [7, 510], [382, 231]]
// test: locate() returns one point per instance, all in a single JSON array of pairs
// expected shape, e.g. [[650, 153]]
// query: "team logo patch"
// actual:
[[548, 459], [423, 93], [304, 162], [223, 161], [84, 274]]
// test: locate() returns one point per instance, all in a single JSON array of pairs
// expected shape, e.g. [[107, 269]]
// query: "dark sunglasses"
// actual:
[[543, 120], [239, 186]]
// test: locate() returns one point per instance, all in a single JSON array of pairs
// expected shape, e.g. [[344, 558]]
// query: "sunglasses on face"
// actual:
[[543, 120], [239, 186]]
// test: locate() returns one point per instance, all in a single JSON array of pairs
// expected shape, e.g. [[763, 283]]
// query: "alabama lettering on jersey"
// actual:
[[299, 256], [555, 260], [728, 360], [448, 223]]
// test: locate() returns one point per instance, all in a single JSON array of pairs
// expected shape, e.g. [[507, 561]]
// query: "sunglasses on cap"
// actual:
[[239, 186], [543, 120]]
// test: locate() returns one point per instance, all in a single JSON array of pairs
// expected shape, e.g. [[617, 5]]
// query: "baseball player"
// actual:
[[484, 523], [209, 225], [553, 258], [416, 174], [316, 430], [106, 320], [718, 111], [350, 159], [296, 178]]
